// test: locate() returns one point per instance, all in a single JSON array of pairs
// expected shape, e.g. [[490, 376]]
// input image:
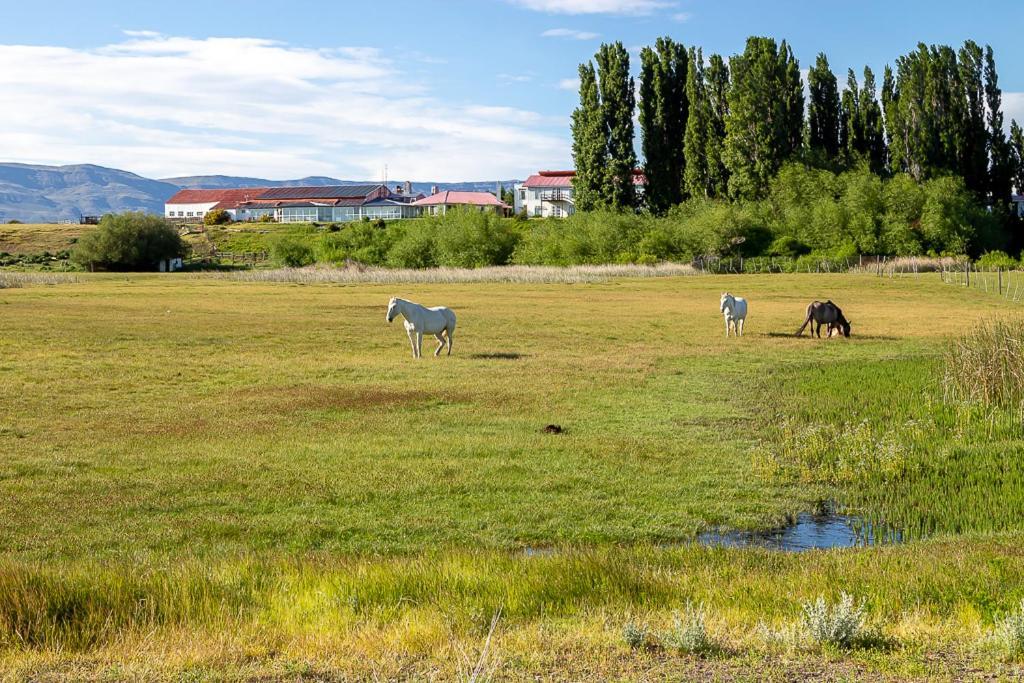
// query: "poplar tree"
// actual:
[[851, 134], [872, 124], [823, 110], [1017, 156], [999, 157], [589, 143], [764, 122], [717, 87], [698, 129], [618, 103], [972, 160], [663, 116]]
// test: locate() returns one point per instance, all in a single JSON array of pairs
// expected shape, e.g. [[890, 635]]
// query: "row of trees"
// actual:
[[716, 129]]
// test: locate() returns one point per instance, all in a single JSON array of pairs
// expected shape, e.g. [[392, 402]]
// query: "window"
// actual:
[[190, 213], [522, 195], [538, 210], [181, 214]]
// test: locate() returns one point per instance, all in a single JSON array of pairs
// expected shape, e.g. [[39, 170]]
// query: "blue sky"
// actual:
[[436, 90]]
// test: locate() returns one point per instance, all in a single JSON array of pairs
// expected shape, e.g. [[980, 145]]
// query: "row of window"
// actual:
[[184, 214]]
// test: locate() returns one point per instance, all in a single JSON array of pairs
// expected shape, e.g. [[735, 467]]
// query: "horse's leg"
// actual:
[[419, 344], [740, 322], [440, 343], [726, 326], [448, 332], [412, 342]]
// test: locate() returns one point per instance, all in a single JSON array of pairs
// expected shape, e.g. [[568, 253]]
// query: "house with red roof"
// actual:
[[316, 204], [438, 204], [550, 194]]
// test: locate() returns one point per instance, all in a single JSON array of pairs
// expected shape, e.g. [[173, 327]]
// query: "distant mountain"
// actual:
[[40, 194], [51, 193]]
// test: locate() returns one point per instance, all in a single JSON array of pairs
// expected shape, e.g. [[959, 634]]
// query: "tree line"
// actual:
[[717, 129]]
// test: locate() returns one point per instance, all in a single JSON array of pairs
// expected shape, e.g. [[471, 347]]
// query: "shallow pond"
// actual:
[[809, 532]]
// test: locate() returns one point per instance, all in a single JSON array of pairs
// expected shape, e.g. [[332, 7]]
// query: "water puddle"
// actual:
[[809, 532]]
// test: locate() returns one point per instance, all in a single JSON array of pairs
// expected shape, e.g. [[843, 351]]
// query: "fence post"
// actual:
[[999, 271], [967, 269]]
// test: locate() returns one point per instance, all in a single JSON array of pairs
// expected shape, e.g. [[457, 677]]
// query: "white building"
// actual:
[[550, 194], [319, 204]]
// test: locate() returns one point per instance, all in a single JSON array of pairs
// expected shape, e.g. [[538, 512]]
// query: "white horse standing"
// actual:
[[735, 311], [420, 320]]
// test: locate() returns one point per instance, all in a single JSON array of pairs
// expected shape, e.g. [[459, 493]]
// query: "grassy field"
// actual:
[[36, 238], [204, 477]]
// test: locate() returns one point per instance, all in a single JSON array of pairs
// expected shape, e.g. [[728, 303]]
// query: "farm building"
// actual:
[[322, 204], [441, 202], [551, 194], [191, 205]]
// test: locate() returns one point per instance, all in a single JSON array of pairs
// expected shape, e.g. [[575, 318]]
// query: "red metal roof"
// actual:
[[225, 199], [564, 179], [463, 198]]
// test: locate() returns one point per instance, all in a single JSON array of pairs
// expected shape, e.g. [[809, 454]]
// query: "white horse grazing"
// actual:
[[735, 311], [420, 320]]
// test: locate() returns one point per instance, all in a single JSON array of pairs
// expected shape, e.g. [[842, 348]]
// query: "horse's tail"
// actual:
[[807, 321]]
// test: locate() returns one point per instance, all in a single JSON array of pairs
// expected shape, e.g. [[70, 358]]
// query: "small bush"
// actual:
[[689, 634], [997, 259], [635, 635], [292, 252], [217, 217], [1008, 636], [788, 246], [838, 625]]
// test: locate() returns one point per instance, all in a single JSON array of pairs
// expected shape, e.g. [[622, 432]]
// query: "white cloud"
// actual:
[[163, 106], [570, 33], [635, 7], [569, 84], [681, 17]]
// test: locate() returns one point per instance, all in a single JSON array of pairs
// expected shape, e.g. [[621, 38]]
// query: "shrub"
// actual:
[[217, 217], [635, 635], [838, 625], [788, 246], [689, 634], [997, 259], [1008, 636], [987, 366], [293, 252], [128, 241]]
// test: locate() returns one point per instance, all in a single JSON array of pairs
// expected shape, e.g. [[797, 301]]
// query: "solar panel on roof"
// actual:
[[324, 192]]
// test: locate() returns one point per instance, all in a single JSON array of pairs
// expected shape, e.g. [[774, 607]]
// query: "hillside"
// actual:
[[42, 194], [45, 194]]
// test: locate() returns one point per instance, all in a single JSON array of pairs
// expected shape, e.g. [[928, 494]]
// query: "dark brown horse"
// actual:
[[826, 313]]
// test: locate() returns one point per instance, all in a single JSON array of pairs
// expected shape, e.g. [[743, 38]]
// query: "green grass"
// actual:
[[36, 238], [202, 475]]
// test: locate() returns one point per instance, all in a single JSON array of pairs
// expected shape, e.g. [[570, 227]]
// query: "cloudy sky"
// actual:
[[440, 90]]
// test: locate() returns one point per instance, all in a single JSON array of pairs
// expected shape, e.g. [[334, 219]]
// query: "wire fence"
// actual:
[[1006, 283]]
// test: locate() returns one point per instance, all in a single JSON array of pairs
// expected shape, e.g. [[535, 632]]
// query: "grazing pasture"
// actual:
[[201, 474]]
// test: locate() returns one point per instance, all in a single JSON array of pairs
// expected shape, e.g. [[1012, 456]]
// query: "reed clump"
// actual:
[[358, 274], [14, 280], [987, 366]]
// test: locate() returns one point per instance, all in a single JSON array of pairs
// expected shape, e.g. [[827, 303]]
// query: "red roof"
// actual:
[[225, 199], [462, 198], [564, 179]]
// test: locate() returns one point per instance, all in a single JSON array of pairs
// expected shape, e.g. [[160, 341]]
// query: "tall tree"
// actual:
[[698, 129], [717, 88], [764, 124], [823, 110], [851, 135], [1017, 156], [972, 160], [618, 103], [589, 143], [999, 156], [664, 109], [872, 124]]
